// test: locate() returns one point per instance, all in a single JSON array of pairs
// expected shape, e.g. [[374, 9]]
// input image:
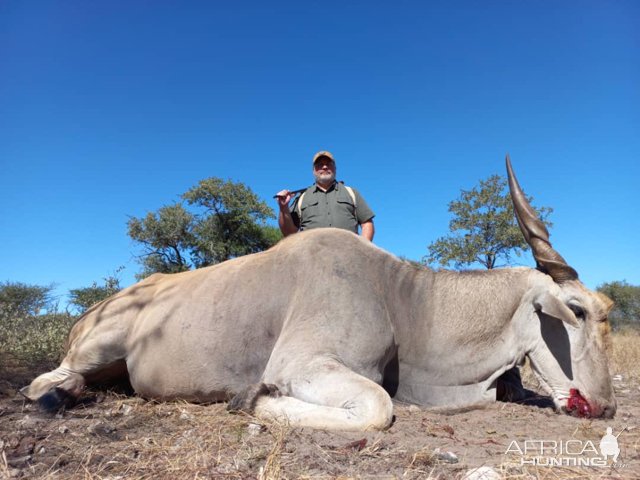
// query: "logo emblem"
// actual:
[[609, 445], [568, 453]]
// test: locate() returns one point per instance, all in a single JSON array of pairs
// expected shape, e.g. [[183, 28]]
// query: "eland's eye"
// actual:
[[578, 311]]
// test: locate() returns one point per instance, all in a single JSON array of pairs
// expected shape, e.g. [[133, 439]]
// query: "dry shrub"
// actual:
[[33, 341]]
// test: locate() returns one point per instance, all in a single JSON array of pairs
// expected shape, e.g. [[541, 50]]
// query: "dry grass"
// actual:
[[140, 440], [625, 359]]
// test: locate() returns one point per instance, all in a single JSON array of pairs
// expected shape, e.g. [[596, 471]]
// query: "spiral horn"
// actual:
[[536, 234]]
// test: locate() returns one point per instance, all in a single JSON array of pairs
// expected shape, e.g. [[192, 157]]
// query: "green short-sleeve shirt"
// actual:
[[333, 208]]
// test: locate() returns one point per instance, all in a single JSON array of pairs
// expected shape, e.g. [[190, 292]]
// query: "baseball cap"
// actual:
[[321, 154]]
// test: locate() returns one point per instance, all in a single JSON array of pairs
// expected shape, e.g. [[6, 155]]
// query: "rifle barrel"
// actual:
[[293, 192]]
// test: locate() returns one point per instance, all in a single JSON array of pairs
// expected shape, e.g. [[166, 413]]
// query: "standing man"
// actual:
[[327, 203]]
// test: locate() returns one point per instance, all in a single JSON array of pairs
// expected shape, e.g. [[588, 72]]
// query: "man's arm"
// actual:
[[285, 220], [364, 215], [368, 230]]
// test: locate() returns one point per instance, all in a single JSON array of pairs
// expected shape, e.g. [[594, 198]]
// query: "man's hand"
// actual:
[[285, 222], [284, 197]]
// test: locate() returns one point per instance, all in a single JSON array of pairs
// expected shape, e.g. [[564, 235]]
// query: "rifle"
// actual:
[[294, 192]]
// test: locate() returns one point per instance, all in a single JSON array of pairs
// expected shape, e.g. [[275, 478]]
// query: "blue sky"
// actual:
[[113, 109]]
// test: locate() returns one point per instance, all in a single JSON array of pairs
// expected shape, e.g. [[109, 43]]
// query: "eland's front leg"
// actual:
[[322, 393]]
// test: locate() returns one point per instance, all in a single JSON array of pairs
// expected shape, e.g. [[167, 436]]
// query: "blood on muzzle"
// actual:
[[578, 405]]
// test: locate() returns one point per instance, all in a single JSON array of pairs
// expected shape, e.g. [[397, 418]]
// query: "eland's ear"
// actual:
[[551, 305]]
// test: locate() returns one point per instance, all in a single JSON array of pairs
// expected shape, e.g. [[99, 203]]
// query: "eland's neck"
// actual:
[[456, 328]]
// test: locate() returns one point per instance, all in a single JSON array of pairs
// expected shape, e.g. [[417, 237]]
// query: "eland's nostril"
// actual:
[[609, 411]]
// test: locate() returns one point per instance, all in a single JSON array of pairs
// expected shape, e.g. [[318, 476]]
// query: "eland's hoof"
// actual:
[[55, 399], [245, 401]]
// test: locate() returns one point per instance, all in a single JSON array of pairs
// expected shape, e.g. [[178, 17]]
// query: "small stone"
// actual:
[[41, 450], [254, 428], [183, 439], [100, 428], [481, 473], [414, 408], [185, 416], [63, 429], [447, 457], [28, 422], [19, 461]]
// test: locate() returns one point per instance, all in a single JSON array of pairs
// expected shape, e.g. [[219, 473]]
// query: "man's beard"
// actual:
[[325, 178]]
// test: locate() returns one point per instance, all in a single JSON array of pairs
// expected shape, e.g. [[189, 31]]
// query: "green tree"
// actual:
[[84, 298], [18, 298], [218, 220], [483, 228], [626, 311], [166, 237], [230, 221]]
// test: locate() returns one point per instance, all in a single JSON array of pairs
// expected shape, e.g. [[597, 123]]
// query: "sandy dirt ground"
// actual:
[[114, 436]]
